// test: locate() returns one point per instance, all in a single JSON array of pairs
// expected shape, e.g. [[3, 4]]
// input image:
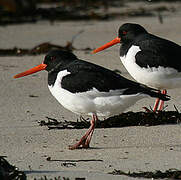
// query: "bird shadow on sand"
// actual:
[[74, 160], [40, 172]]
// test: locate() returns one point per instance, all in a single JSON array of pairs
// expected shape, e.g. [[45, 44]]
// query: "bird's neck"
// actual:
[[52, 76], [125, 47]]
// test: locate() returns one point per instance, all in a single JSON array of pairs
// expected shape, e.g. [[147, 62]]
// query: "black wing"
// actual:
[[157, 52], [85, 76]]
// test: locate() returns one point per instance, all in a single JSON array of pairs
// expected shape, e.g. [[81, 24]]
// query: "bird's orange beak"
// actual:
[[35, 69], [111, 43]]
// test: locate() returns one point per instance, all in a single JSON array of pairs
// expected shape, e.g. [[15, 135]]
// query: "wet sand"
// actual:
[[27, 145]]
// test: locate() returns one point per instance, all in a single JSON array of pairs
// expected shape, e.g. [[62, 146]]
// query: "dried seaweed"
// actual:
[[59, 178], [55, 124], [55, 178], [39, 49], [122, 120], [171, 173], [68, 164], [43, 48], [8, 171]]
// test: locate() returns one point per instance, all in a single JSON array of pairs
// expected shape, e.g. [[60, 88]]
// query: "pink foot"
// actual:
[[85, 140]]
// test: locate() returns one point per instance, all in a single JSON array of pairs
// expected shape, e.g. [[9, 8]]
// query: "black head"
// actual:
[[54, 61], [57, 59], [128, 32]]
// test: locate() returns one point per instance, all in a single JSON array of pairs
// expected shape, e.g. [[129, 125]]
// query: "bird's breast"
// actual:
[[156, 77]]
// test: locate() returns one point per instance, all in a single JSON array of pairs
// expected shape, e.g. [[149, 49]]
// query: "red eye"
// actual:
[[124, 32], [52, 58]]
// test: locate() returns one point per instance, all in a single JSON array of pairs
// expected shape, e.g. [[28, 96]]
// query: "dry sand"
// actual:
[[27, 145]]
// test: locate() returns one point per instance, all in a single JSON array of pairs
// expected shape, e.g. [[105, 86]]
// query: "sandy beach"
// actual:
[[26, 101]]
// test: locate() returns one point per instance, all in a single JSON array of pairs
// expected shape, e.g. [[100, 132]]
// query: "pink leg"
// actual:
[[156, 104], [85, 140], [162, 102]]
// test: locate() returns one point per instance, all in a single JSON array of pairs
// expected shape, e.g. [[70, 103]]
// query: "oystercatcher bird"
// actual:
[[86, 88], [149, 59]]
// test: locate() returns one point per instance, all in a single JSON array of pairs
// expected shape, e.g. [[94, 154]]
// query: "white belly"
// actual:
[[101, 103], [160, 78]]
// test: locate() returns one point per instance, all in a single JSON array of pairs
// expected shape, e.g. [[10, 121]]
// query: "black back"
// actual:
[[86, 76], [155, 51]]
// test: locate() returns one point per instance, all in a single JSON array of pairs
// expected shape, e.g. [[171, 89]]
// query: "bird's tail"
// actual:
[[156, 94]]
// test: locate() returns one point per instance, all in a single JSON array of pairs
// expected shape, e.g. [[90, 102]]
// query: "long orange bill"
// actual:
[[111, 43], [35, 69]]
